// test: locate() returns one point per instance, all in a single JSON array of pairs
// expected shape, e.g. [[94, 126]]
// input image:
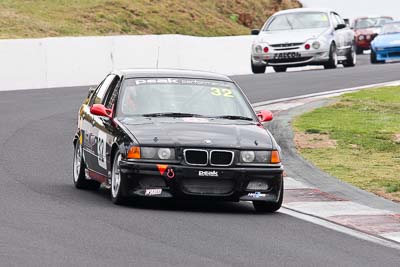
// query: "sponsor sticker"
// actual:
[[209, 173], [182, 81], [153, 192], [256, 195]]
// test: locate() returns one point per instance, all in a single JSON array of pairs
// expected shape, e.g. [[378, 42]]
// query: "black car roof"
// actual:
[[171, 73]]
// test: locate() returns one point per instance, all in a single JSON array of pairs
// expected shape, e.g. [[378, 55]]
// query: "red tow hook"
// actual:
[[170, 173]]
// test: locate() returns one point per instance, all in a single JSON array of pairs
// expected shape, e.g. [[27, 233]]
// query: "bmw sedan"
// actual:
[[176, 134]]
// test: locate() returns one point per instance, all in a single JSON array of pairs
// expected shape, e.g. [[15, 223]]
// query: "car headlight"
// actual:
[[316, 45], [154, 153], [258, 49], [247, 156], [368, 37], [260, 157], [361, 37], [164, 153]]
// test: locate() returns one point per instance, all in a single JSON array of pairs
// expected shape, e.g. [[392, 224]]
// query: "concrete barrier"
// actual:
[[74, 61]]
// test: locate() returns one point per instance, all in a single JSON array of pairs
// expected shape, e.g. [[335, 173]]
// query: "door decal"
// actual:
[[101, 149]]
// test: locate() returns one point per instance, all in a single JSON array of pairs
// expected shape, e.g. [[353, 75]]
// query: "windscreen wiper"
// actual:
[[234, 117], [288, 21], [171, 114]]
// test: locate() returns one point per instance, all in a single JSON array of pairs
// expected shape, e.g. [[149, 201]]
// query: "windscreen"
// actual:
[[208, 98], [391, 28], [296, 21], [365, 23]]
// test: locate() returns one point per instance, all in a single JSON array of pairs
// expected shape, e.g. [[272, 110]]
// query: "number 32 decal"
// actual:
[[221, 92]]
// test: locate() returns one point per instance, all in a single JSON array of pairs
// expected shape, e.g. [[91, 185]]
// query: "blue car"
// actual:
[[386, 46]]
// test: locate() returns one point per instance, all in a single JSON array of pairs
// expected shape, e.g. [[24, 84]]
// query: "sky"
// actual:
[[356, 8]]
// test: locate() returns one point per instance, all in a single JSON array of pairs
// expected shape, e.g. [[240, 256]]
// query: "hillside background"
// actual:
[[49, 18]]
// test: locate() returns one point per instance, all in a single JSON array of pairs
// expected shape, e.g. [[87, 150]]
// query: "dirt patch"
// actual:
[[396, 138], [395, 197], [313, 140]]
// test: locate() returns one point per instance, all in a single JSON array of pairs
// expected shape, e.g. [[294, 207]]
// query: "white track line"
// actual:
[[326, 209], [340, 228], [327, 93]]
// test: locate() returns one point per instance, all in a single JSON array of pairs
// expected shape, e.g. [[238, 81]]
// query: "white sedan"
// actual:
[[300, 37]]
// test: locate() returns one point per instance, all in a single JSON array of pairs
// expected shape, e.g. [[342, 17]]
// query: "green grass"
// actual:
[[43, 18], [365, 125]]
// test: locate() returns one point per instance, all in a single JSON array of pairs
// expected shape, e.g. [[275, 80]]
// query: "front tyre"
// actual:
[[333, 58], [373, 58], [267, 207], [118, 182], [79, 167], [257, 69], [351, 58]]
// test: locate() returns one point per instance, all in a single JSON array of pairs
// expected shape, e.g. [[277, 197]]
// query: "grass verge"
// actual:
[[365, 130], [44, 18]]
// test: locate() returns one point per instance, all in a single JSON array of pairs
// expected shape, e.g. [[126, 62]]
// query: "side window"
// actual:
[[102, 90], [337, 20], [112, 93], [334, 20]]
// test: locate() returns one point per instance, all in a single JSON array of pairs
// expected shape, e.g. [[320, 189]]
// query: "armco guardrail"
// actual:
[[74, 61]]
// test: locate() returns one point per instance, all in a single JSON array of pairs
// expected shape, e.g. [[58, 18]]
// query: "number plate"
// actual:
[[287, 55]]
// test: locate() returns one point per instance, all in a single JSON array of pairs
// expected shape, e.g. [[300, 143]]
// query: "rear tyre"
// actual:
[[79, 167], [373, 58], [119, 185], [266, 207], [359, 50], [351, 58], [280, 69], [333, 58], [257, 69]]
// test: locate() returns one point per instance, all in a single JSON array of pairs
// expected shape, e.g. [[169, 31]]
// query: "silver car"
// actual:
[[300, 37]]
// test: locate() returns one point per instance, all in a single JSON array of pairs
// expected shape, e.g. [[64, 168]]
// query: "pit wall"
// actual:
[[75, 61]]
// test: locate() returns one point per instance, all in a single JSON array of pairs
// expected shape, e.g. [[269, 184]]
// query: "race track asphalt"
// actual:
[[264, 87], [46, 221]]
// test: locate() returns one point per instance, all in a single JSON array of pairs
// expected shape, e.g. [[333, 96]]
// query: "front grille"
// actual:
[[289, 60], [286, 45], [221, 157], [196, 157], [286, 49], [207, 186], [394, 54]]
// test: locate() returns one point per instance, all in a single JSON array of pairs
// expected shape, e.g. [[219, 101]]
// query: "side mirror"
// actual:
[[101, 110], [265, 115], [340, 26], [255, 31]]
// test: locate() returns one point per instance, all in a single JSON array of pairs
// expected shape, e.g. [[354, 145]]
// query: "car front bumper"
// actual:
[[388, 54], [364, 44], [179, 181], [314, 57]]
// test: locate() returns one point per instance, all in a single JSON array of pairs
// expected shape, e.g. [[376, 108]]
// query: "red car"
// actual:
[[366, 29]]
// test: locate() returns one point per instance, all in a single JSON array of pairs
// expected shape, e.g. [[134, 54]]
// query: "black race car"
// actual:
[[174, 133]]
